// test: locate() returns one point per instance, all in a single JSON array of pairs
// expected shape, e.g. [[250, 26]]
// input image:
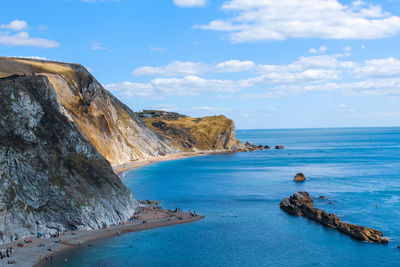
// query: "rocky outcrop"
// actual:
[[193, 134], [279, 147], [299, 177], [301, 204], [116, 131], [249, 146], [51, 177]]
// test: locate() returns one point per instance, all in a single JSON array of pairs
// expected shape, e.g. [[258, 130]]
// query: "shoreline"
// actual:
[[40, 256], [122, 168], [41, 251]]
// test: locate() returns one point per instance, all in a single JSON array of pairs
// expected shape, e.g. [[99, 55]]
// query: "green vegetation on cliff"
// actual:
[[207, 133]]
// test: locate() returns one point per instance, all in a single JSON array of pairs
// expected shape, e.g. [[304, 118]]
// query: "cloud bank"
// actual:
[[251, 20]]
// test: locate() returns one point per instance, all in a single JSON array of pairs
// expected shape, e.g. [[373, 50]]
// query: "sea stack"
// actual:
[[301, 204], [299, 177]]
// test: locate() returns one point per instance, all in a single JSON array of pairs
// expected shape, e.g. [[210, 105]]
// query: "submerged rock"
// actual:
[[299, 177], [301, 204]]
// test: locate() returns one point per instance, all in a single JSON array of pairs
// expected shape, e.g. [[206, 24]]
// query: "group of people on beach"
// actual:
[[6, 253], [193, 214]]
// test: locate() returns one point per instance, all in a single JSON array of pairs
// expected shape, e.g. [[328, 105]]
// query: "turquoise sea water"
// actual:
[[358, 170]]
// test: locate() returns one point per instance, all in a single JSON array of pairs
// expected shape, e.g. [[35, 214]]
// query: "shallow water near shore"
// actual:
[[358, 170]]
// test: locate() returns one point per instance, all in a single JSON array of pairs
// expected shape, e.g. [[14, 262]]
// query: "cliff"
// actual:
[[187, 133], [115, 130], [60, 134], [52, 178]]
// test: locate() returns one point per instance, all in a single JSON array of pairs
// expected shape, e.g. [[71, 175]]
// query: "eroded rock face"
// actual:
[[115, 130], [301, 204], [192, 134], [51, 177]]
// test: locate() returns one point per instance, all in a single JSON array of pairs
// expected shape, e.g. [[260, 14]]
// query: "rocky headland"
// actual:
[[61, 134], [193, 134], [301, 204]]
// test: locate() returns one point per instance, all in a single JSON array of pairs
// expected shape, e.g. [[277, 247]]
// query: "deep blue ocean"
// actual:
[[357, 169]]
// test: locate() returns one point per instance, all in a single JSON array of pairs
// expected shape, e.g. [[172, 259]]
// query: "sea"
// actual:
[[356, 169]]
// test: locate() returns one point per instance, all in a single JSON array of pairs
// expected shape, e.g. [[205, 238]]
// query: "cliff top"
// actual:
[[27, 66]]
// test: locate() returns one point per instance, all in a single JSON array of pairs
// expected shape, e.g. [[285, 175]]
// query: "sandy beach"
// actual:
[[120, 169], [41, 251]]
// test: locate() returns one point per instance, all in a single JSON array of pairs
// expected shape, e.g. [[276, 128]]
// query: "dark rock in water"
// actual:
[[279, 147], [323, 197], [267, 147], [251, 147], [248, 144], [301, 204], [330, 203], [299, 177]]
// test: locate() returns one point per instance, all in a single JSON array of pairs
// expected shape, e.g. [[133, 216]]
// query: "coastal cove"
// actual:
[[356, 169]]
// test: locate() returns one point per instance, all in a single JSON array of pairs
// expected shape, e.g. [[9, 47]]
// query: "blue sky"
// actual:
[[263, 63]]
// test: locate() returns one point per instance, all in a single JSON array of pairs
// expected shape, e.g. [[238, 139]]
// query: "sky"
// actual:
[[263, 63]]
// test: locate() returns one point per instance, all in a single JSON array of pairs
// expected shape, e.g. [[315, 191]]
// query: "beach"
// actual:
[[41, 251], [120, 169]]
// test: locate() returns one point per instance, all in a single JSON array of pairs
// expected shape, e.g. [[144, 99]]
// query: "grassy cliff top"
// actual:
[[205, 133], [26, 66]]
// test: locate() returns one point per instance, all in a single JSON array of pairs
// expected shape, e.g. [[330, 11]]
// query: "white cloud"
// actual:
[[306, 74], [96, 45], [193, 85], [129, 89], [24, 39], [252, 20], [176, 68], [15, 25], [157, 49], [190, 3], [379, 68], [188, 85], [234, 66], [321, 49], [311, 62], [206, 108], [168, 107], [180, 68]]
